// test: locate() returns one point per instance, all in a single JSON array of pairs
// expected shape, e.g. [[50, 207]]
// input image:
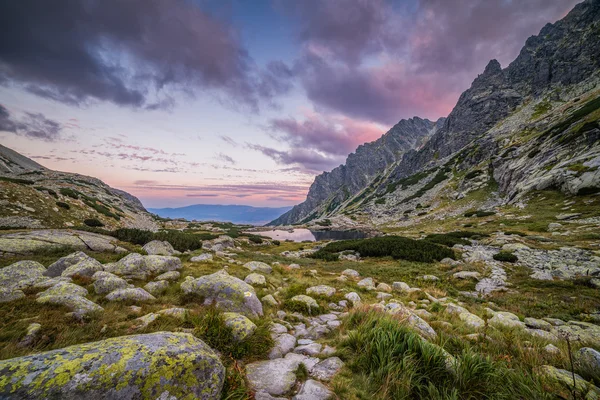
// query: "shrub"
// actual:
[[255, 239], [63, 205], [179, 240], [473, 174], [446, 240], [69, 193], [16, 180], [380, 201], [93, 222], [325, 222], [395, 246], [479, 213], [533, 153], [276, 242], [506, 256], [438, 178]]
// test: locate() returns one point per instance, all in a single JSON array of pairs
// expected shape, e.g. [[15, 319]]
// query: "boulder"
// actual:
[[105, 282], [430, 278], [219, 244], [7, 295], [384, 287], [275, 377], [33, 331], [367, 284], [21, 275], [587, 361], [270, 300], [350, 273], [321, 290], [466, 275], [313, 390], [175, 312], [308, 301], [157, 287], [64, 288], [79, 305], [284, 343], [506, 320], [353, 297], [29, 242], [241, 326], [565, 378], [326, 369], [168, 276], [256, 280], [206, 257], [400, 287], [57, 268], [161, 365], [258, 266], [159, 248], [130, 295], [311, 349], [136, 266], [537, 323], [227, 292]]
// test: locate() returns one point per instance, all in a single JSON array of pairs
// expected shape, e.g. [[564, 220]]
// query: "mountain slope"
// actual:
[[223, 213], [332, 189], [32, 196], [530, 126]]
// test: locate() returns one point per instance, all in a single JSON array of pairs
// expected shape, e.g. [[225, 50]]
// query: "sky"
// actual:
[[185, 102]]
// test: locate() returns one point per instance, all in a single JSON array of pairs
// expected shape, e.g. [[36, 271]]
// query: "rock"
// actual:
[[270, 300], [313, 390], [466, 275], [551, 349], [542, 334], [157, 365], [206, 257], [506, 320], [79, 305], [554, 321], [105, 282], [414, 321], [168, 276], [241, 326], [57, 268], [20, 275], [512, 247], [258, 266], [554, 226], [144, 321], [350, 273], [383, 296], [306, 300], [564, 377], [156, 288], [537, 323], [275, 377], [400, 287], [136, 266], [321, 290], [175, 312], [64, 288], [430, 278], [227, 292], [266, 396], [587, 362], [367, 284], [384, 287], [471, 320], [47, 283], [159, 248], [32, 334], [284, 343], [423, 313], [29, 242], [219, 244], [311, 349], [567, 216], [256, 280], [294, 266], [130, 295], [326, 369], [7, 295]]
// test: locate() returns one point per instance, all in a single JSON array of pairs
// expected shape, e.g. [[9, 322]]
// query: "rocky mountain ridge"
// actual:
[[33, 196], [531, 126]]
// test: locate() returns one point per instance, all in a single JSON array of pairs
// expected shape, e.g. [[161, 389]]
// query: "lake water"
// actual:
[[300, 235]]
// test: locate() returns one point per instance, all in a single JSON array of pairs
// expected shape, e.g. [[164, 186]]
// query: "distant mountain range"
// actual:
[[223, 213]]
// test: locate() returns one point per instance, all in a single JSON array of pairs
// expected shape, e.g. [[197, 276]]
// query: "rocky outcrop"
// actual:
[[157, 365]]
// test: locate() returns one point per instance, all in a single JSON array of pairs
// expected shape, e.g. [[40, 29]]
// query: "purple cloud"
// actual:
[[225, 158], [31, 125]]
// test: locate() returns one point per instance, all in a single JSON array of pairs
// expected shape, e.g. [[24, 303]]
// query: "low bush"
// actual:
[[93, 222], [179, 240], [479, 213], [506, 256], [63, 205], [16, 180], [395, 246], [473, 174], [276, 242], [255, 239], [74, 194]]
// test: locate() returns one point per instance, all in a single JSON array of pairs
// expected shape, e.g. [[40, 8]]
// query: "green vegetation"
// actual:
[[541, 109], [16, 180], [325, 222], [438, 178], [396, 247], [533, 153], [102, 209], [380, 201], [93, 222], [179, 240], [74, 194], [63, 205], [473, 174], [506, 256], [408, 181], [255, 239], [479, 213]]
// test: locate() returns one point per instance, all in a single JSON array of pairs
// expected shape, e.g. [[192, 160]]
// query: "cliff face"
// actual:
[[499, 128], [331, 189]]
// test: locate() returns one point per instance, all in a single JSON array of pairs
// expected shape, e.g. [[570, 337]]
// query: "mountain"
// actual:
[[362, 168], [32, 196], [533, 125], [223, 213]]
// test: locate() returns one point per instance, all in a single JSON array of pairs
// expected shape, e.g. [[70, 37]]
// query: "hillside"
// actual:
[[32, 196], [223, 213], [530, 126]]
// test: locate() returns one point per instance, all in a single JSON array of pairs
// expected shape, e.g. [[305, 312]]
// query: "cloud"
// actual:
[[225, 158], [31, 125], [132, 53], [309, 160], [229, 140]]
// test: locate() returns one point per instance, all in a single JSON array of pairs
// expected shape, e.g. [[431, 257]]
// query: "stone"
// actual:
[[33, 331], [156, 288], [564, 377], [506, 320], [423, 313], [384, 287], [587, 363], [130, 295], [23, 243], [542, 334], [159, 248], [64, 288], [227, 292], [350, 273], [400, 287], [284, 343], [219, 244], [105, 282], [206, 257], [175, 312], [470, 320], [306, 300], [56, 269], [313, 390], [326, 369], [430, 278], [383, 296], [466, 275], [412, 320], [7, 295], [353, 297], [258, 266], [144, 321], [537, 323], [21, 275], [512, 247], [275, 377], [321, 290], [163, 364], [266, 396], [294, 266], [270, 300], [79, 305], [551, 349], [240, 325], [136, 266], [168, 276], [554, 226], [256, 280], [311, 349], [278, 328], [567, 216], [367, 284]]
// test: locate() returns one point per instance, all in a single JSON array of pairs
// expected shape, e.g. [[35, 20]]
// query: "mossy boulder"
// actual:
[[156, 288], [321, 290], [136, 266], [64, 288], [241, 326], [23, 243], [79, 305], [105, 282], [308, 301], [18, 276], [226, 292], [131, 295], [158, 365], [65, 265], [259, 266], [255, 279], [159, 247]]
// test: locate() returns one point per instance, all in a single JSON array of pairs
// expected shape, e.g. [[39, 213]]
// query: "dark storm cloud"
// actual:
[[128, 52], [31, 125]]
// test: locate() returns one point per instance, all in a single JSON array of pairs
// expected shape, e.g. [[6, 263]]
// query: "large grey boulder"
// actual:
[[84, 266], [159, 248], [321, 290], [313, 390], [136, 266], [29, 242], [135, 295], [18, 276], [226, 292], [79, 305], [326, 369], [587, 361], [105, 282], [259, 266], [161, 365], [57, 268], [284, 343], [275, 377]]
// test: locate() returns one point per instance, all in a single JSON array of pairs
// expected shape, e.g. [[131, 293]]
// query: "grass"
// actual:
[[16, 180], [438, 178], [74, 194]]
